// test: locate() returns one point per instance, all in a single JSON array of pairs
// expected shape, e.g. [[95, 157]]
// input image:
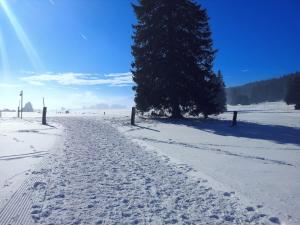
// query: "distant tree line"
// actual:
[[271, 90], [293, 92]]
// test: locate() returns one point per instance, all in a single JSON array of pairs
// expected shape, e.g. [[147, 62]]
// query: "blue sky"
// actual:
[[77, 53]]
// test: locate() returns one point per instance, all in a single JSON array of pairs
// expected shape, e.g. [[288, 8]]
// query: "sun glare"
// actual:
[[3, 59], [22, 36]]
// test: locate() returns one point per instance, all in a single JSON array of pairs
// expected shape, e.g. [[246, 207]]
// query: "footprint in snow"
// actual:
[[250, 209], [229, 218], [90, 206], [136, 221], [126, 214], [36, 211], [275, 220], [227, 194], [172, 221], [16, 140], [39, 185], [140, 206], [214, 216], [36, 207], [61, 195]]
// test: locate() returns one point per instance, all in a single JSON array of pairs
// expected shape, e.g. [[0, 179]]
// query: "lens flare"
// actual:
[[3, 60], [22, 36]]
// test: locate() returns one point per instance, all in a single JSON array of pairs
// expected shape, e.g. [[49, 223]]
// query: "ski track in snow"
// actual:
[[124, 124], [25, 155], [218, 151], [100, 177]]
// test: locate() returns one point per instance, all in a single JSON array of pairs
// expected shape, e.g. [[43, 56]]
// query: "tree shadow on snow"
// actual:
[[147, 128], [275, 133], [262, 111]]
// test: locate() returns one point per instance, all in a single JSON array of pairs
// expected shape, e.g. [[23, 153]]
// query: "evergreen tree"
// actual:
[[215, 100], [293, 93], [220, 94], [173, 58]]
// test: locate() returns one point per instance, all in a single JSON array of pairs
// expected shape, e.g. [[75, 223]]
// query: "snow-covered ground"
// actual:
[[101, 177], [163, 171], [23, 143], [259, 159], [271, 113]]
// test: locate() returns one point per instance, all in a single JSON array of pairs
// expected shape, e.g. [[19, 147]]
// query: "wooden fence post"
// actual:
[[234, 118], [133, 116], [44, 121]]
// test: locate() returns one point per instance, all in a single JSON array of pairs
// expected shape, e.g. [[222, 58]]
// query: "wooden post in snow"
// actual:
[[133, 116], [18, 111], [44, 120], [21, 94], [234, 118]]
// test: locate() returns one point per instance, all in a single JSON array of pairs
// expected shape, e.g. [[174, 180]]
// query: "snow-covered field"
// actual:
[[23, 143], [259, 159], [104, 171]]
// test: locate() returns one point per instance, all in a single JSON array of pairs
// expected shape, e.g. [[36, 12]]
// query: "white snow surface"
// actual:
[[162, 171], [101, 177], [23, 143], [258, 160]]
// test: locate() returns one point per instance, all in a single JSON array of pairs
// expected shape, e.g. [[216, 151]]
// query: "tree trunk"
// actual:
[[176, 114]]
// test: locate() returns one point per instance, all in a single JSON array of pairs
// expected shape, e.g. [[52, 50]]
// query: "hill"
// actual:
[[28, 107], [260, 91]]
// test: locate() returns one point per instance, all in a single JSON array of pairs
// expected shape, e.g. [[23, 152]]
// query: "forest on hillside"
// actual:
[[260, 91]]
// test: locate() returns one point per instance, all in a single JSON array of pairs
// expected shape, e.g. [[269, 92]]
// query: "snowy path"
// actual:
[[100, 177]]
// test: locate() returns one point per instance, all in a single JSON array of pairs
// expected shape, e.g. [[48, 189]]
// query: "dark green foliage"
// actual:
[[293, 92], [216, 97], [173, 58], [220, 94], [261, 91]]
